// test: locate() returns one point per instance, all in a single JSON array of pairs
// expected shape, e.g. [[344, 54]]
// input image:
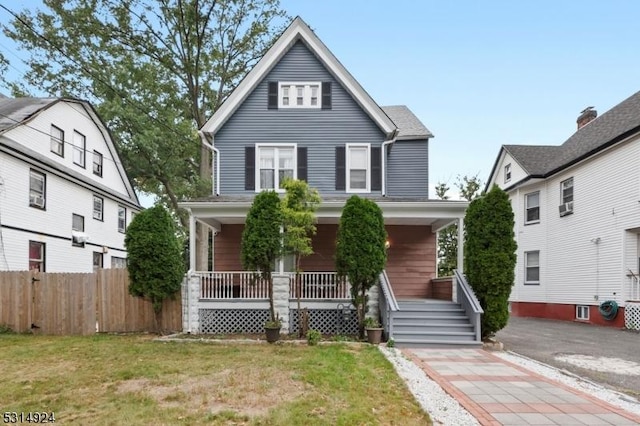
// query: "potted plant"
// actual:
[[373, 329], [272, 329]]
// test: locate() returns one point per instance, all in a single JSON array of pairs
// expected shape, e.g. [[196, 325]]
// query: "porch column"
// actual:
[[461, 245], [192, 241], [281, 299], [190, 295]]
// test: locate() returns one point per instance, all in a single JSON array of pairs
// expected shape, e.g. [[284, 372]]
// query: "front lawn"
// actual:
[[107, 379]]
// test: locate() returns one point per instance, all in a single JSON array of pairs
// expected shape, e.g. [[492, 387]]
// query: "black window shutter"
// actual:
[[273, 95], [326, 95], [376, 169], [250, 168], [302, 164], [341, 172]]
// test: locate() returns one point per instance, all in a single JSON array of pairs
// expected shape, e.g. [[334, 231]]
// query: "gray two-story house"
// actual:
[[300, 114]]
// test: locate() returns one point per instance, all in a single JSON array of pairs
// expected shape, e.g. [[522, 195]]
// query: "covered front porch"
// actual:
[[218, 283]]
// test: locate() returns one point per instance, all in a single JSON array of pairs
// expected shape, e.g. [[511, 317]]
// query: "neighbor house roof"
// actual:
[[14, 111], [409, 126], [613, 126], [298, 30]]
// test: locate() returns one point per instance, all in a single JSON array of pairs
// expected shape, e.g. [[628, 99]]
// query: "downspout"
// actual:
[[384, 161], [215, 150]]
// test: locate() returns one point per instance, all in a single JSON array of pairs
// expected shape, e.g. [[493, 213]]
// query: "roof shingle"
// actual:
[[409, 126]]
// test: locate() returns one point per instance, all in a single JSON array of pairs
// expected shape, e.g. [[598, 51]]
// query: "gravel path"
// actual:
[[445, 410]]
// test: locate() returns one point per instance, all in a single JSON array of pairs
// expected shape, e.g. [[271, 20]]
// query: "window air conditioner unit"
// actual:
[[36, 200], [566, 209], [79, 237]]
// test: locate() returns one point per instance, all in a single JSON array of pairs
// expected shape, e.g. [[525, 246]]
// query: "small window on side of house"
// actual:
[[582, 312], [299, 95], [97, 163], [532, 267], [358, 168], [36, 256], [57, 141], [79, 148], [118, 262], [98, 207], [507, 173], [122, 219], [77, 226], [566, 191], [532, 207], [37, 189]]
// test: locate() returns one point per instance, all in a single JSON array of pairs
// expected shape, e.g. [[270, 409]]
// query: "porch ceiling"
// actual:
[[435, 213]]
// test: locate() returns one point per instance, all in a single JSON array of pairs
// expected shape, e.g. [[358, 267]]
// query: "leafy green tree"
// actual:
[[262, 239], [299, 224], [490, 256], [155, 70], [360, 250], [468, 188], [155, 264]]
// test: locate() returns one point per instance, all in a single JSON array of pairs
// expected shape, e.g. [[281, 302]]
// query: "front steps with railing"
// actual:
[[432, 323]]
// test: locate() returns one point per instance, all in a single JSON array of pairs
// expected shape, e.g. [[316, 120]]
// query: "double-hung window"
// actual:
[[79, 148], [122, 219], [97, 163], [77, 226], [36, 256], [98, 207], [37, 186], [57, 141], [299, 95], [566, 191], [507, 173], [532, 267], [276, 163], [358, 168], [532, 207]]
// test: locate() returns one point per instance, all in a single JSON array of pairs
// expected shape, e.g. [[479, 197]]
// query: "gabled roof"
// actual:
[[409, 126], [299, 30], [620, 122]]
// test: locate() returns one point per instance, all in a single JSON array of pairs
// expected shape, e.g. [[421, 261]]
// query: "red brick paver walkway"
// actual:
[[497, 392]]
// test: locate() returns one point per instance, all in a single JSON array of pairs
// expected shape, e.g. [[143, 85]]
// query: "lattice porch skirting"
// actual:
[[231, 321], [632, 315], [326, 321]]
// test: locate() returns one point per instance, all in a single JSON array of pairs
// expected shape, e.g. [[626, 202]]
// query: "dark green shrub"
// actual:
[[490, 256], [360, 251], [313, 337], [154, 256]]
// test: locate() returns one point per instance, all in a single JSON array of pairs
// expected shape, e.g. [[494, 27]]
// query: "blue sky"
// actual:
[[478, 74]]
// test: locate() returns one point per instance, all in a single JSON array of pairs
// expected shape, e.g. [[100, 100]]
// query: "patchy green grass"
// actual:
[[133, 380]]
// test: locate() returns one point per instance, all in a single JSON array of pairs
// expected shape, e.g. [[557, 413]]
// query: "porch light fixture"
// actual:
[[387, 244]]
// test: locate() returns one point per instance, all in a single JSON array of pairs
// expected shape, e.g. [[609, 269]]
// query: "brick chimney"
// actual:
[[586, 116]]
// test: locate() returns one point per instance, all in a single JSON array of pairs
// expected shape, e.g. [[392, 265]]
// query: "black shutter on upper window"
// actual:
[[302, 164], [273, 95], [341, 171], [376, 169], [250, 168], [326, 95]]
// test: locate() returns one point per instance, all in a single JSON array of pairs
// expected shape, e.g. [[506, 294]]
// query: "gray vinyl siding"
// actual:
[[408, 169], [318, 130]]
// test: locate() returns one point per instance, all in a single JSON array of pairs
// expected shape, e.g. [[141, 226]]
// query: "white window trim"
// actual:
[[276, 177], [122, 229], [526, 208], [525, 267], [507, 173], [80, 149], [38, 199], [306, 102], [101, 218], [582, 308], [348, 168], [562, 188], [57, 141], [99, 155]]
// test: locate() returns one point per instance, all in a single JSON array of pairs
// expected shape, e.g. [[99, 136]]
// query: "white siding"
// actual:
[[517, 172], [574, 268], [64, 197]]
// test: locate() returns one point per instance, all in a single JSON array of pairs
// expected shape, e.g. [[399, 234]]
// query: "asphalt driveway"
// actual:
[[606, 355]]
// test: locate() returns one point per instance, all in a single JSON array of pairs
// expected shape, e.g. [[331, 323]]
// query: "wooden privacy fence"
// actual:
[[72, 303]]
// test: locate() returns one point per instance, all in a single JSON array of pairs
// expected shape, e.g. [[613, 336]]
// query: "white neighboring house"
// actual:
[[65, 198], [577, 217]]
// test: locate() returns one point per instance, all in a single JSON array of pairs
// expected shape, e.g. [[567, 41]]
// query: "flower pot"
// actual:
[[273, 334], [374, 335]]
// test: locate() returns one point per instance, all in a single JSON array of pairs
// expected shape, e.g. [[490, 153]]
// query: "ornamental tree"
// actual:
[[262, 240], [156, 267], [299, 224], [360, 251], [490, 256]]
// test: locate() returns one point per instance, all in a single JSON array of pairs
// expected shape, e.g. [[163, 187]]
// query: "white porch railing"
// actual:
[[634, 287], [232, 285], [320, 285]]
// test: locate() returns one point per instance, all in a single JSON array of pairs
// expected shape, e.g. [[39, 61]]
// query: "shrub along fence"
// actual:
[[76, 303]]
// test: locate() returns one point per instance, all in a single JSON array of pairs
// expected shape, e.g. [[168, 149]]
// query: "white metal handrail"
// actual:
[[634, 288]]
